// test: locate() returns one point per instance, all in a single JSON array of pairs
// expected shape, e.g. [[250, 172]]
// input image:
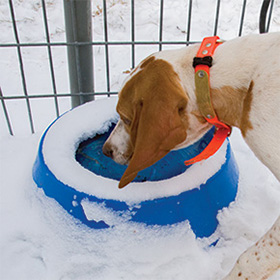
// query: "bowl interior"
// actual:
[[89, 155]]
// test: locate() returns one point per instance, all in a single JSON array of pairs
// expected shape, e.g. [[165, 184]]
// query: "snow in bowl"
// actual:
[[71, 168]]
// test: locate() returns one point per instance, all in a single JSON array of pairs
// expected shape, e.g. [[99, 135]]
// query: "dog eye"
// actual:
[[126, 121], [181, 110]]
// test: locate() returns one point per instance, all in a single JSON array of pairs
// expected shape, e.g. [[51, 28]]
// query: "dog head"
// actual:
[[156, 116]]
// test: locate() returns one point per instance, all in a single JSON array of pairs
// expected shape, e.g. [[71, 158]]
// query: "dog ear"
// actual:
[[156, 129], [156, 102]]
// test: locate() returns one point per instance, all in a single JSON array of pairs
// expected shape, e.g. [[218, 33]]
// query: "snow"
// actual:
[[38, 239], [98, 212]]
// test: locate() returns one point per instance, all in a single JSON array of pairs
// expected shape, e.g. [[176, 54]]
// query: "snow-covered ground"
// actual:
[[38, 239]]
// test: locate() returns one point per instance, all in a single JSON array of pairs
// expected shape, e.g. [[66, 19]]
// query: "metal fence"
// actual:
[[79, 44]]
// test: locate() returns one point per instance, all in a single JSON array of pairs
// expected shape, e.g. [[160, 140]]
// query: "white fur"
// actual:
[[237, 63], [118, 140]]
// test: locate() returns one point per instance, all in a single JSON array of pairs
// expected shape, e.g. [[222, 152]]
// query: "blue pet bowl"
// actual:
[[71, 168]]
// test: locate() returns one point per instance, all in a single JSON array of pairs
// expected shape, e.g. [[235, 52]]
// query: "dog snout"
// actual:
[[107, 150]]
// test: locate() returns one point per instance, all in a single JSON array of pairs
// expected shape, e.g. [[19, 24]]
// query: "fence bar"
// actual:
[[113, 43], [262, 19], [21, 66], [80, 57], [132, 34], [6, 113], [50, 95], [106, 46], [269, 15], [217, 17], [160, 24], [189, 22], [50, 57], [242, 18]]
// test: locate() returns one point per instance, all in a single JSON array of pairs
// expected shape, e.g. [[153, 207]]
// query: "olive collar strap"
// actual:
[[202, 63]]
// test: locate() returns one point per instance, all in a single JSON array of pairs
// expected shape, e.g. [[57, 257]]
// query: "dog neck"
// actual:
[[232, 83]]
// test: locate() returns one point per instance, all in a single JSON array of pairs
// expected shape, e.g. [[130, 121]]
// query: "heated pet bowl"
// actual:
[[71, 168]]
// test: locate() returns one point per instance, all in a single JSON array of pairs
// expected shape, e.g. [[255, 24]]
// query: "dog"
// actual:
[[159, 112]]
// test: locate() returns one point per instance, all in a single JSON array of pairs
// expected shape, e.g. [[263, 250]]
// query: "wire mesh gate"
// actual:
[[83, 82]]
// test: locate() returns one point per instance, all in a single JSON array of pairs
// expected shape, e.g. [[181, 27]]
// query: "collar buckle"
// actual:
[[206, 60]]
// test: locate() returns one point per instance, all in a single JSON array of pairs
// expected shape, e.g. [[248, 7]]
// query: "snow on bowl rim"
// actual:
[[62, 140]]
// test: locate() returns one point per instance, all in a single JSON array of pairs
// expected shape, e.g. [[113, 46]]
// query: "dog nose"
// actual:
[[107, 151]]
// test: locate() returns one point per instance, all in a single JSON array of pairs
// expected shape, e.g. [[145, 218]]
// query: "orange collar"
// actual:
[[202, 63]]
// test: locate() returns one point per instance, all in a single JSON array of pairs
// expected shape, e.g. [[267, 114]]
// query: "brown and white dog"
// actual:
[[159, 113]]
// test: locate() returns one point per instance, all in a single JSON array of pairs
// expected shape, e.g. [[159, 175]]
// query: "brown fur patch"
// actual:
[[227, 102], [156, 82], [233, 106]]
